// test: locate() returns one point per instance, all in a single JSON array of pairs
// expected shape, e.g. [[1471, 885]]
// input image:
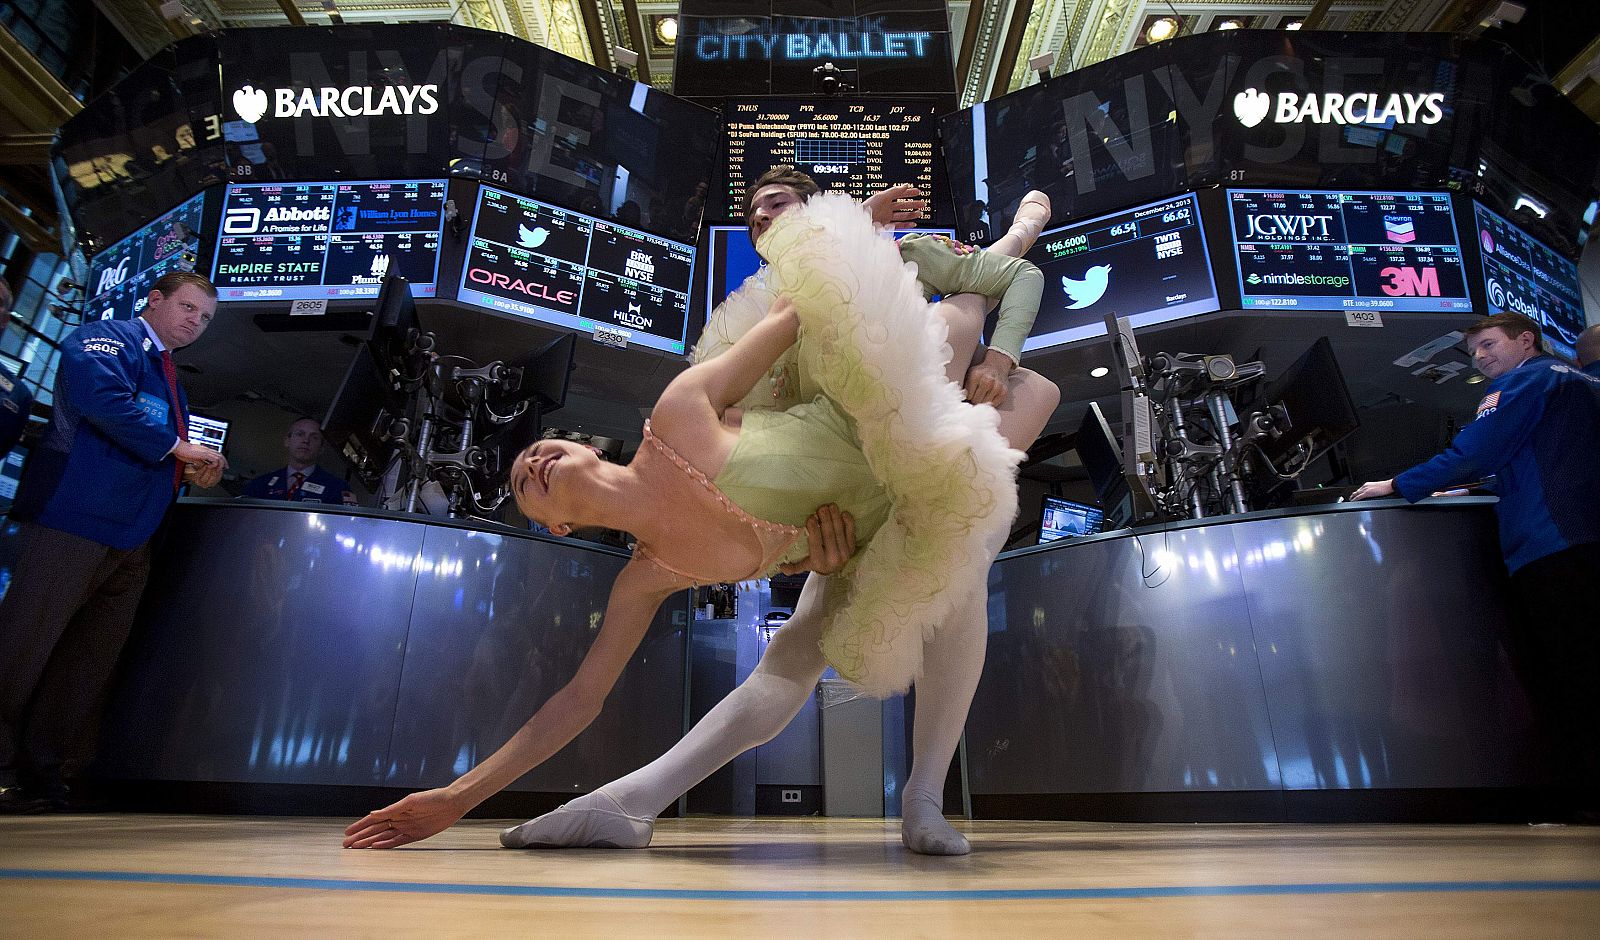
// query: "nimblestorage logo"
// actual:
[[1295, 279]]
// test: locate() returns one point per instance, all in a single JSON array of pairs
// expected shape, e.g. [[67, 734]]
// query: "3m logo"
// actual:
[[1409, 282]]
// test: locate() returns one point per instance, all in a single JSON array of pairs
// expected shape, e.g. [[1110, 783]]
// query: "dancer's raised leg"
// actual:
[[622, 813], [952, 664]]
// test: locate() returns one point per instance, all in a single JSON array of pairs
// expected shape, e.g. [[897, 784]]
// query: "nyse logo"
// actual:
[[1409, 282], [1169, 245], [111, 277], [1287, 227]]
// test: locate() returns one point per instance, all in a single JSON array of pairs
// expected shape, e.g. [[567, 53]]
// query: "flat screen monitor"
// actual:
[[120, 276], [1327, 250], [857, 146], [1521, 274], [11, 474], [1321, 412], [1147, 264], [1100, 452], [1065, 518], [304, 241], [623, 285], [208, 432], [733, 258]]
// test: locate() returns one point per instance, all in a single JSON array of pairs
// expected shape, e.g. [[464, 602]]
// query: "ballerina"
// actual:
[[734, 488], [622, 813]]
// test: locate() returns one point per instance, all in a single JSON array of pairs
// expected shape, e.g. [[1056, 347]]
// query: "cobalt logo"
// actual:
[[354, 101], [1252, 106]]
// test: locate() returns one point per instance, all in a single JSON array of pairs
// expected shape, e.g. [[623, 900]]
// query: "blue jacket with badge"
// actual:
[[319, 486], [104, 469], [15, 402], [1537, 431]]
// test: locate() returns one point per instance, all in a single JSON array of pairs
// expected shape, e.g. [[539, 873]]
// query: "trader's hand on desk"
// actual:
[[831, 533], [1376, 489], [202, 475], [413, 819]]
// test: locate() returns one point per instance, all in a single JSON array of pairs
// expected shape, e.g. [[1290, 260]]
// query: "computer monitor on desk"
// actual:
[[1065, 518]]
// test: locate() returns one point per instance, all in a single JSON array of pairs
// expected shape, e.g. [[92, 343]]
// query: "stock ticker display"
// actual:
[[1521, 274], [1148, 263], [1321, 250], [623, 285], [296, 241], [121, 276], [858, 147]]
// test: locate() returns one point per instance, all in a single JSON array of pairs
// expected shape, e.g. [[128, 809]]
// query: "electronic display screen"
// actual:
[[531, 259], [1065, 518], [1148, 264], [1524, 275], [208, 432], [857, 147], [732, 259], [11, 473], [297, 241], [120, 277], [1323, 250]]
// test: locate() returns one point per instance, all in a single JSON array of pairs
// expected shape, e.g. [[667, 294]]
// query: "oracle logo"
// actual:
[[517, 285]]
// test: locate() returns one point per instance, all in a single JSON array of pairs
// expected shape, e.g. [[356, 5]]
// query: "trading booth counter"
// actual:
[[1281, 664], [280, 644]]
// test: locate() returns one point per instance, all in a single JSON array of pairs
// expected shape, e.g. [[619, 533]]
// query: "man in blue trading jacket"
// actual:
[[1537, 431], [302, 481], [1589, 350], [96, 487], [15, 399]]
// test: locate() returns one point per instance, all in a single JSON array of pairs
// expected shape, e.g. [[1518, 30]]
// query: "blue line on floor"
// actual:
[[675, 894]]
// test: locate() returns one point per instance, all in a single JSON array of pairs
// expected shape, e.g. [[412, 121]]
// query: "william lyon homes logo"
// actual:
[[253, 104]]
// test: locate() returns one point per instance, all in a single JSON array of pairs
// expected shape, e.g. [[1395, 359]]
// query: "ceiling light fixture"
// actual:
[[1162, 28]]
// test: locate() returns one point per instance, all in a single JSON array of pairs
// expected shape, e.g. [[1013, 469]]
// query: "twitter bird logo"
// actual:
[[534, 237], [1087, 292]]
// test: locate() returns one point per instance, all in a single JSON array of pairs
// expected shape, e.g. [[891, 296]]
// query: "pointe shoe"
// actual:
[[595, 821], [1033, 213]]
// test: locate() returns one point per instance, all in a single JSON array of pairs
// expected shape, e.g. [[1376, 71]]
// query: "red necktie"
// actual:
[[294, 488], [171, 372]]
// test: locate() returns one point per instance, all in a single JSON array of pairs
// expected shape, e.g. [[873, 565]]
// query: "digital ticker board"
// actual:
[[295, 241], [531, 259], [1324, 250], [1148, 264], [857, 147], [1521, 274]]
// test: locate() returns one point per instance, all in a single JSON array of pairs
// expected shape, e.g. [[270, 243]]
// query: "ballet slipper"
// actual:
[[1033, 213], [594, 821], [924, 830]]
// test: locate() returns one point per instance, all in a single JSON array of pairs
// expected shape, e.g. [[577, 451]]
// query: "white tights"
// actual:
[[621, 814]]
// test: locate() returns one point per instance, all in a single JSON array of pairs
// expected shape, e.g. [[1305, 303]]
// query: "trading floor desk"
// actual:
[[1343, 662], [285, 645]]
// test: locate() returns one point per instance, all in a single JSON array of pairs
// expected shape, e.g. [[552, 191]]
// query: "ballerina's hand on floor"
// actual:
[[414, 818]]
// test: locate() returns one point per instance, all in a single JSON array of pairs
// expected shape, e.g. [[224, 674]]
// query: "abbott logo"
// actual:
[[241, 220], [1252, 106], [1087, 292]]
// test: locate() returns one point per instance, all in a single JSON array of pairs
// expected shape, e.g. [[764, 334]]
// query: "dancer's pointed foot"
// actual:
[[593, 821], [1033, 213], [924, 830]]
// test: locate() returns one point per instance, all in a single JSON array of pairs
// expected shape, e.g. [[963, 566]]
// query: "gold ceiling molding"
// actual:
[[985, 50], [1030, 37], [1108, 27]]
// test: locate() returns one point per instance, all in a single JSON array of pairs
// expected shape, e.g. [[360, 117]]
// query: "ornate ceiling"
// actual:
[[995, 39]]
